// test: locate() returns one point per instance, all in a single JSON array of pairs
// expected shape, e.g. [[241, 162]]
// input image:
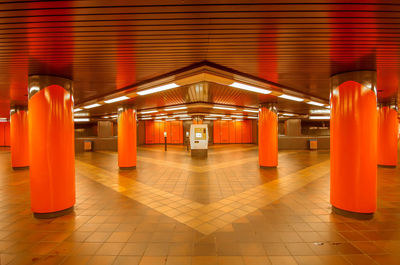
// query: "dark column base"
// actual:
[[268, 167], [199, 153], [387, 166], [20, 168], [127, 168], [355, 215], [53, 214]]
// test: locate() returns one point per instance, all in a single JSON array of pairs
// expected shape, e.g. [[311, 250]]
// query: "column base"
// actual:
[[355, 215], [387, 166], [268, 167], [20, 168], [53, 214], [127, 168]]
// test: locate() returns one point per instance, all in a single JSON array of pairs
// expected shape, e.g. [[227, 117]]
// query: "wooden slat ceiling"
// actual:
[[108, 45]]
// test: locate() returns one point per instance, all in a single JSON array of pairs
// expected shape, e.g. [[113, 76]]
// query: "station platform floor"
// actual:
[[176, 210]]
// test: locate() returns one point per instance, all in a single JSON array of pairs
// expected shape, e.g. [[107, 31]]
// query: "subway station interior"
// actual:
[[182, 132]]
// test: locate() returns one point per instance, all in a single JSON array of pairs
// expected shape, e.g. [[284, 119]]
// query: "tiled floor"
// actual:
[[176, 210]]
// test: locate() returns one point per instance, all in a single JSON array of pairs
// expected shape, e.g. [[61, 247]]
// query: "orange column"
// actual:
[[387, 136], [19, 137], [127, 137], [51, 146], [353, 144], [268, 136]]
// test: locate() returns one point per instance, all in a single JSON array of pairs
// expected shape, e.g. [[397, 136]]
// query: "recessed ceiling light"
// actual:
[[116, 99], [315, 103], [290, 97], [92, 106], [320, 111], [175, 108], [225, 108], [148, 111], [250, 88], [81, 119], [157, 89], [319, 117], [250, 110]]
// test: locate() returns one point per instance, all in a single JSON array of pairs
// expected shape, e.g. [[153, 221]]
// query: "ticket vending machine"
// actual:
[[199, 140]]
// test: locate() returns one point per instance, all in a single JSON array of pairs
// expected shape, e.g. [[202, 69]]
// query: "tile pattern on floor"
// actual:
[[108, 227]]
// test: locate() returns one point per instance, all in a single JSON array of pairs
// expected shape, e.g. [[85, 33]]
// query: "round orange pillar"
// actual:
[[268, 135], [51, 146], [353, 144], [387, 135], [19, 137], [126, 137]]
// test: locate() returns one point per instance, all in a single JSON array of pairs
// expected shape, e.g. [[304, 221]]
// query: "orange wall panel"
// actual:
[[7, 134], [2, 133], [217, 132], [232, 132], [155, 132], [238, 132], [225, 132]]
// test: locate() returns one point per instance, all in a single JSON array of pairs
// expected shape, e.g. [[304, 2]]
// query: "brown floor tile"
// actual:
[[148, 260], [204, 260], [279, 260], [101, 260], [179, 260], [256, 260], [230, 260], [127, 260], [110, 249]]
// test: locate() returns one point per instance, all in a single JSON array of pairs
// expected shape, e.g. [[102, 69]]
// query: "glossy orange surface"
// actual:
[[4, 134], [51, 150], [155, 132], [267, 137], [19, 139], [387, 136], [232, 132], [353, 148], [127, 138]]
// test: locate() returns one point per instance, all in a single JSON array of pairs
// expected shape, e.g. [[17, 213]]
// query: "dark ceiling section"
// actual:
[[107, 45]]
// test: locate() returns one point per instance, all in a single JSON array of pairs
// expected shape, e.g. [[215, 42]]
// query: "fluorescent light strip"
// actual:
[[226, 119], [77, 109], [237, 117], [116, 99], [290, 97], [92, 106], [180, 115], [250, 110], [148, 111], [225, 108], [175, 108], [157, 89], [185, 119], [319, 117], [83, 114], [217, 115], [320, 111], [161, 114], [145, 118], [170, 119], [212, 119], [250, 88], [81, 119], [287, 114], [315, 103], [251, 117]]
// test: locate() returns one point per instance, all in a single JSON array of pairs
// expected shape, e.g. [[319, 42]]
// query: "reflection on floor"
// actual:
[[177, 210]]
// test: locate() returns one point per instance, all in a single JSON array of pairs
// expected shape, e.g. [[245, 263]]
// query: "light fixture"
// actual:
[[175, 108], [252, 117], [287, 114], [92, 106], [237, 117], [82, 114], [159, 118], [145, 118], [34, 88], [81, 119], [161, 114], [250, 110], [250, 88], [157, 89], [226, 119], [170, 120], [319, 117], [225, 108], [3, 120], [185, 119], [320, 111], [315, 103], [290, 97], [328, 107], [114, 116], [148, 111], [217, 115], [105, 117], [77, 109], [180, 115], [209, 118], [116, 99]]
